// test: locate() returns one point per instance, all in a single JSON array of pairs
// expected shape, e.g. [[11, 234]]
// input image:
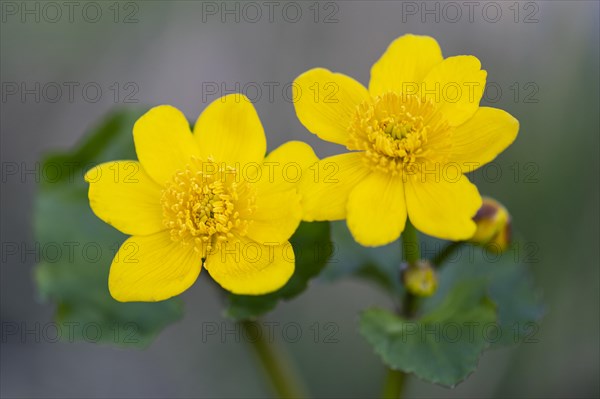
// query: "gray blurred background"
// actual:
[[544, 57]]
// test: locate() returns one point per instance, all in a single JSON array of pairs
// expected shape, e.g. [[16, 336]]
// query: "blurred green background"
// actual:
[[542, 56]]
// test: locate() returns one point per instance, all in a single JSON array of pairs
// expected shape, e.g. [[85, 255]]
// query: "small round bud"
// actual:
[[493, 226], [420, 279]]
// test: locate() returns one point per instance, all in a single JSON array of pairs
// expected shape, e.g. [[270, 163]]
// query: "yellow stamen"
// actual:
[[399, 131], [202, 205]]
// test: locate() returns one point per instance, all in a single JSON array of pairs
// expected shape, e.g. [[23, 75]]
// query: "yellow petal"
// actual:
[[286, 165], [276, 217], [229, 130], [327, 184], [124, 196], [456, 84], [163, 142], [405, 63], [246, 267], [481, 138], [377, 210], [278, 211], [441, 207], [325, 103], [152, 268]]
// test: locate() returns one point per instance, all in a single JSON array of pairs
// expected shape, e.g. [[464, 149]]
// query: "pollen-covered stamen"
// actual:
[[206, 204], [397, 131]]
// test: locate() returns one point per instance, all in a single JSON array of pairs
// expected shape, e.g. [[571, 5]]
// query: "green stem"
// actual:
[[394, 383], [445, 253], [412, 254], [410, 244], [410, 305], [278, 367]]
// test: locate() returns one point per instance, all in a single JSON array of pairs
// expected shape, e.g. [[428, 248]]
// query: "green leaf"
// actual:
[[312, 248], [509, 285], [441, 347], [77, 248], [473, 277]]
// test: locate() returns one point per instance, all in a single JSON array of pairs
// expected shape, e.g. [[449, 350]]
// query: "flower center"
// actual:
[[205, 204], [399, 131]]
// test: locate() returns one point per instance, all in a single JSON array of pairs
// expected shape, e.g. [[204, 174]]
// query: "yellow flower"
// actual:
[[209, 199], [413, 134]]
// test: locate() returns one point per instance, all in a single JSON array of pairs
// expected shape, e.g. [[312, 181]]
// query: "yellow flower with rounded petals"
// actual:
[[208, 198], [412, 135]]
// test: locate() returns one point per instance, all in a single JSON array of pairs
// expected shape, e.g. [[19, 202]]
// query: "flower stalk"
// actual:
[[395, 379], [412, 254], [410, 245], [279, 369], [393, 384]]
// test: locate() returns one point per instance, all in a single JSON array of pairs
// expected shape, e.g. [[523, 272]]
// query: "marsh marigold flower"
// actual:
[[412, 135], [204, 199]]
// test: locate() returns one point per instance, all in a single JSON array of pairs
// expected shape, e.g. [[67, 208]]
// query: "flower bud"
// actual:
[[493, 226], [420, 279]]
